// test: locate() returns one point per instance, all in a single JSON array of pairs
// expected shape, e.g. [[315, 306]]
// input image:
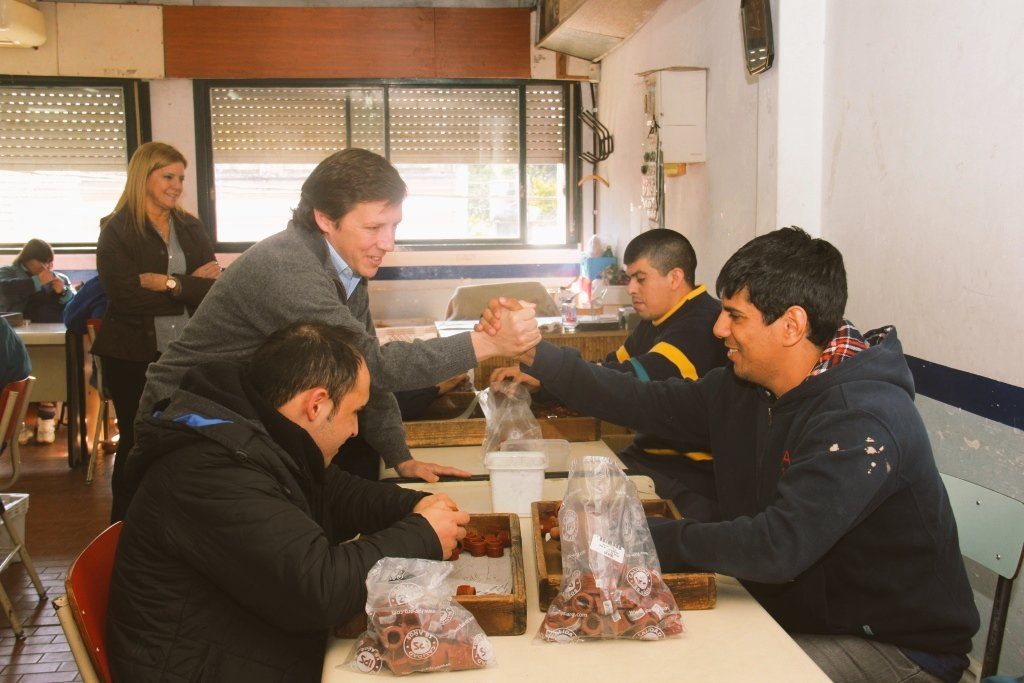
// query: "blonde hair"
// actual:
[[147, 158]]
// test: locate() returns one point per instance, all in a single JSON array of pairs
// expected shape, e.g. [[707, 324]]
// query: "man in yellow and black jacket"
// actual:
[[673, 339]]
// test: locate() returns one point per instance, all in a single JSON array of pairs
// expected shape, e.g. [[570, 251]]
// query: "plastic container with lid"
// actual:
[[557, 451], [517, 479]]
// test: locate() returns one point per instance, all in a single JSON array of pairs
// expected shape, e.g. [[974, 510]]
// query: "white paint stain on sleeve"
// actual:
[[834, 448]]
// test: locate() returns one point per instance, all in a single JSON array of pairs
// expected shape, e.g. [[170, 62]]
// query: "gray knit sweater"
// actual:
[[289, 277]]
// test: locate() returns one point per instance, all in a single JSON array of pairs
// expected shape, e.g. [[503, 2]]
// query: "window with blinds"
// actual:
[[63, 160], [484, 163]]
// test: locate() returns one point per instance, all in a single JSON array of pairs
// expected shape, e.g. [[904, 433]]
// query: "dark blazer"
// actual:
[[122, 254]]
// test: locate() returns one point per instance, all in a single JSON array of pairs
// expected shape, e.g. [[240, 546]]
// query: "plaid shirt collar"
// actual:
[[846, 343]]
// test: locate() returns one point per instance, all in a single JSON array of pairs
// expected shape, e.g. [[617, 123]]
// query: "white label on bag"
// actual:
[[612, 552]]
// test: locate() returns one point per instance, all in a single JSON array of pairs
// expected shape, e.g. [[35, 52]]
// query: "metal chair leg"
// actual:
[[19, 548], [101, 422], [19, 630]]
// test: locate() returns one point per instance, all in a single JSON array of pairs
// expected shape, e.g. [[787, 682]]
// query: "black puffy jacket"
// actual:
[[229, 567]]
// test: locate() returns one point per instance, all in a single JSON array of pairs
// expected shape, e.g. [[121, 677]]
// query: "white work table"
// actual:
[[735, 641], [471, 458]]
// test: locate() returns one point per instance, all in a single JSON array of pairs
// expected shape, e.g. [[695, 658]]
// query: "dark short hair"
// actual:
[[305, 355], [788, 267], [344, 179], [34, 249], [666, 250]]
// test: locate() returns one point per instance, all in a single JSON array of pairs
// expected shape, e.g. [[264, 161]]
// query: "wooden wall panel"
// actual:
[[298, 42], [475, 43], [345, 42]]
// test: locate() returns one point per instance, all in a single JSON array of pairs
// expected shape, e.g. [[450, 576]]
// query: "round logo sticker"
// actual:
[[570, 525], [560, 635], [404, 594], [367, 660], [640, 579], [483, 653], [419, 644], [650, 633], [447, 614]]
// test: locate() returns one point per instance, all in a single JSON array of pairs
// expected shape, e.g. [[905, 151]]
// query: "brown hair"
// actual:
[[344, 179]]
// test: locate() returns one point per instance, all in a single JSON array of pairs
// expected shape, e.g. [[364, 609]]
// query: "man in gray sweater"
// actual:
[[317, 269]]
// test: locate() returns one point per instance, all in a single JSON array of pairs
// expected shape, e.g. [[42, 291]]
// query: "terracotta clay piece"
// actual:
[[410, 641], [641, 608]]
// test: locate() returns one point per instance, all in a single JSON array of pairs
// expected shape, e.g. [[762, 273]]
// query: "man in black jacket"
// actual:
[[836, 517], [231, 564], [674, 339]]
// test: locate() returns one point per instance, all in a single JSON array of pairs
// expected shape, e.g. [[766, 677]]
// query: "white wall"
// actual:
[[911, 158], [923, 174], [715, 203]]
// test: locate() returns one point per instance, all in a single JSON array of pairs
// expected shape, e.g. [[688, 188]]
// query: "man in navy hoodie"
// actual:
[[836, 519]]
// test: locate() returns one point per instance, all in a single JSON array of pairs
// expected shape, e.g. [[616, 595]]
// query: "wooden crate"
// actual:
[[691, 590], [470, 432], [498, 615], [442, 429], [591, 345]]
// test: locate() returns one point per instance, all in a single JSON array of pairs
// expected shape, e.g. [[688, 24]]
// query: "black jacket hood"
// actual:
[[216, 402]]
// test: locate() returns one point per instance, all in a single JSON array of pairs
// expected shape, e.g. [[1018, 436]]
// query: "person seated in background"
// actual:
[[835, 516], [90, 303], [14, 361], [231, 565], [32, 287], [318, 268], [673, 339]]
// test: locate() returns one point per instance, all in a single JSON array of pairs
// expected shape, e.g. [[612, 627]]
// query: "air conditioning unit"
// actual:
[[21, 24]]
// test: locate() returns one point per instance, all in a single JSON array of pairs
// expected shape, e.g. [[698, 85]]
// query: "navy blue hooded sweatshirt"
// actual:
[[838, 522]]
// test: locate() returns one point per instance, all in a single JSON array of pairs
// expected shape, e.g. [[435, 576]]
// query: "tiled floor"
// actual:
[[64, 514]]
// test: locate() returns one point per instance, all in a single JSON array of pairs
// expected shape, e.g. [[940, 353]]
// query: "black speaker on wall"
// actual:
[[758, 41]]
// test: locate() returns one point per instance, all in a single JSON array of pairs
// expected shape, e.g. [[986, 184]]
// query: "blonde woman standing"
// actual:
[[156, 263]]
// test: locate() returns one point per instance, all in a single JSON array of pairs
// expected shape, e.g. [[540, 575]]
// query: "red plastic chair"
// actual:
[[88, 586], [14, 400]]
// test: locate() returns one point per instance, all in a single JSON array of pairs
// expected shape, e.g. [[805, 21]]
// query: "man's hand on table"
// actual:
[[449, 525], [438, 500], [428, 471]]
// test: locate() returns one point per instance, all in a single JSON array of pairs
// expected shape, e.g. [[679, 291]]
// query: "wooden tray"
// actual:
[[498, 615], [691, 590]]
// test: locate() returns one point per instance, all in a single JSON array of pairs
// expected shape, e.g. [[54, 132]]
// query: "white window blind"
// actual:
[[454, 125], [289, 125], [60, 128], [545, 125], [63, 160]]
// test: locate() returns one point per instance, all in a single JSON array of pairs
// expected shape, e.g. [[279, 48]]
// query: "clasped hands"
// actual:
[[507, 327]]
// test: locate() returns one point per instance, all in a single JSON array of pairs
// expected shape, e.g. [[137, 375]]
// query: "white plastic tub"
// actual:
[[556, 450], [517, 479]]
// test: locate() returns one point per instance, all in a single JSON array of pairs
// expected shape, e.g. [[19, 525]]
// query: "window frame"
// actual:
[[138, 130], [206, 188]]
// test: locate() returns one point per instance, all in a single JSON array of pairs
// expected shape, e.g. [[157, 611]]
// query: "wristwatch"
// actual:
[[172, 285]]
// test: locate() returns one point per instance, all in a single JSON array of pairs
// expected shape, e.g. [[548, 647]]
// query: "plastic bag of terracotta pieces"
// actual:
[[414, 625], [509, 418], [611, 577]]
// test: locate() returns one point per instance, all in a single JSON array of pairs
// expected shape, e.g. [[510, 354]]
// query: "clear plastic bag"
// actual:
[[414, 625], [507, 409], [611, 576]]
